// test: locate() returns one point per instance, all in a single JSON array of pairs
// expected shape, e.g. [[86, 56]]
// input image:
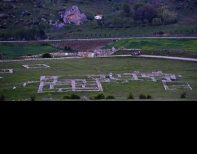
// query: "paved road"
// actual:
[[165, 57], [147, 56], [110, 38]]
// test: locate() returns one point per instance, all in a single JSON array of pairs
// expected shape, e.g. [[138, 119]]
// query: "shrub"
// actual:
[[183, 95], [160, 32], [49, 95], [149, 97], [142, 96], [66, 96], [32, 96], [45, 44], [79, 30], [46, 55], [74, 96], [2, 97], [91, 98], [130, 96], [110, 96], [100, 96]]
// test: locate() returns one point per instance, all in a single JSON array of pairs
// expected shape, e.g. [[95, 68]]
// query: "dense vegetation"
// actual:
[[38, 19]]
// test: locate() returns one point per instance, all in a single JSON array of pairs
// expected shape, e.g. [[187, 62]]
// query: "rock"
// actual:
[[84, 98], [113, 49], [59, 27], [43, 19], [73, 15], [4, 16]]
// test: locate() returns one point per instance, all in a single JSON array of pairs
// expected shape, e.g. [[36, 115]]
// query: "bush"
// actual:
[[100, 96], [74, 96], [110, 96], [79, 30], [45, 44], [91, 98], [32, 96], [49, 95], [46, 55], [1, 56], [2, 97], [149, 97], [183, 95], [130, 96], [160, 32], [142, 96], [66, 96], [67, 48]]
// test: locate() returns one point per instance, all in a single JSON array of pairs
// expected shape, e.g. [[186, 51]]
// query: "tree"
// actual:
[[168, 17], [146, 11], [95, 23], [157, 21], [46, 55], [117, 21], [136, 6], [126, 8]]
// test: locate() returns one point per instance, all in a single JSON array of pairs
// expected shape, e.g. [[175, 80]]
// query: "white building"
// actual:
[[98, 17]]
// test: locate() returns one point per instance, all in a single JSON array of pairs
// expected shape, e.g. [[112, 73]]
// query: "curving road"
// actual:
[[164, 57], [146, 56], [110, 38]]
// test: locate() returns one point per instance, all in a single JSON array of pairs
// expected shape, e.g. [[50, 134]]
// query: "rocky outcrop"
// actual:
[[74, 16]]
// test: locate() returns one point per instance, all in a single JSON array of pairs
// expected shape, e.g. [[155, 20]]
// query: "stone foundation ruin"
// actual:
[[36, 66], [5, 71], [93, 82]]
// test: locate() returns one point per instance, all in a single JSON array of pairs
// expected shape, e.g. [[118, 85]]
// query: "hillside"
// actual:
[[41, 19]]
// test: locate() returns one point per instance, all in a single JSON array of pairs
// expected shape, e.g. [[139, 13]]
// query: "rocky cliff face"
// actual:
[[73, 15]]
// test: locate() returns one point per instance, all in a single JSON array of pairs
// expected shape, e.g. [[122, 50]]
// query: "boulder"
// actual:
[[59, 27], [4, 16], [74, 16]]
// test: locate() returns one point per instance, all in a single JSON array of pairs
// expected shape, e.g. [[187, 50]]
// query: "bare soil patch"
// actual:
[[85, 45]]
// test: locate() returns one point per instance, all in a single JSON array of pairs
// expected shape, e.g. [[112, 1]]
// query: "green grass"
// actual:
[[156, 44], [79, 68], [15, 50], [88, 30]]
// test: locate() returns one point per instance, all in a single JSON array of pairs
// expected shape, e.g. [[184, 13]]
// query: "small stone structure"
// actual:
[[86, 54], [5, 71], [36, 66], [54, 84], [104, 52]]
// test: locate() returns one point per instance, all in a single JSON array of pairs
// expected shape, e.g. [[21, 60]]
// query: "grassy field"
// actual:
[[79, 68], [13, 50], [168, 47], [186, 30], [156, 44]]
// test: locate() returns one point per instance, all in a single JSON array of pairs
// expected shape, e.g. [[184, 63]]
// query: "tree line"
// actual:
[[27, 34], [138, 15]]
